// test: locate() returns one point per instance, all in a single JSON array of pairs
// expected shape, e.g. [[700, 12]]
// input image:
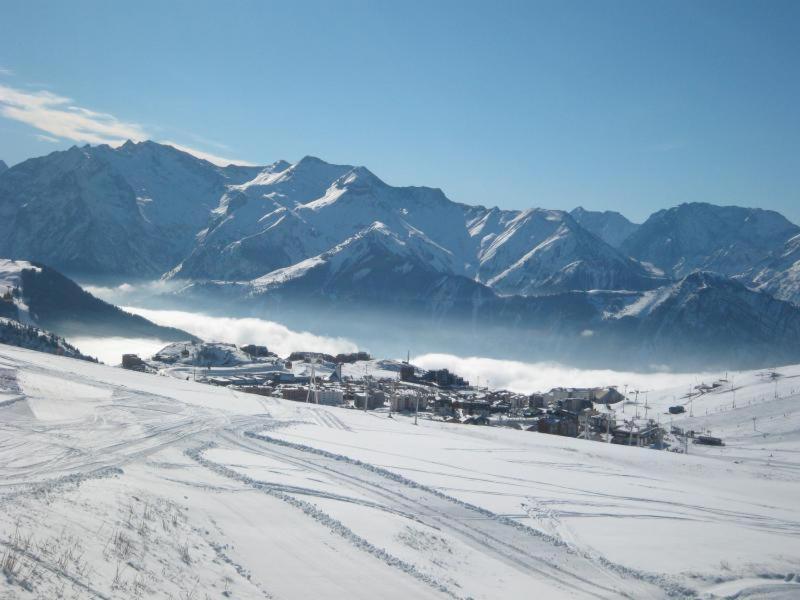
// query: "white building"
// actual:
[[405, 400], [330, 397]]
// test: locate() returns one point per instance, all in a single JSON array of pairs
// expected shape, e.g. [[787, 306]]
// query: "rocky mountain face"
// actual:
[[3, 166], [779, 273], [133, 210], [729, 240], [538, 251], [610, 226], [146, 209]]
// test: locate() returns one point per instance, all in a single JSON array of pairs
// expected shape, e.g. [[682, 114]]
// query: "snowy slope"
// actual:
[[545, 251], [145, 209], [730, 240], [779, 274], [97, 210], [283, 217], [706, 314], [119, 484], [46, 298], [375, 251]]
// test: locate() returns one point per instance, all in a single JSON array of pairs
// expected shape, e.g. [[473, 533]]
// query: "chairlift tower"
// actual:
[[366, 387], [312, 387]]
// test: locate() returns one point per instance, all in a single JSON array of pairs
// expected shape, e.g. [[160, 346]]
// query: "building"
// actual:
[[132, 362], [536, 401], [255, 351], [336, 374], [575, 405], [330, 397], [352, 357], [261, 390], [558, 423], [377, 398], [406, 401], [708, 440], [294, 393], [407, 372], [637, 434], [444, 378], [286, 377], [608, 395]]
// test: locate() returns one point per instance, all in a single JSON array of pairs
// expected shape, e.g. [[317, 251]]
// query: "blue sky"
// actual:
[[630, 106]]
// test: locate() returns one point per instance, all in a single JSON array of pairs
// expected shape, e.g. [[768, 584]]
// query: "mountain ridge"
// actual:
[[340, 235]]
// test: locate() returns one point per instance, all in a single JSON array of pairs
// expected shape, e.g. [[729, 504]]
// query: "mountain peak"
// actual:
[[610, 226], [701, 236], [309, 160], [278, 166], [359, 178], [3, 166], [312, 166]]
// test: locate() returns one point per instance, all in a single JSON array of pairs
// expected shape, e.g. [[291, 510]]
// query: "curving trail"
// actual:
[[84, 447]]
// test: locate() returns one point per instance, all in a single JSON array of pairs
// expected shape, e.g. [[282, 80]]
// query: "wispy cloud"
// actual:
[[212, 158], [5, 71], [46, 138], [59, 117]]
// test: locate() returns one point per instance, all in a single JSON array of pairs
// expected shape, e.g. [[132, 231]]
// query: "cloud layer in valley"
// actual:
[[276, 337], [110, 349], [537, 377]]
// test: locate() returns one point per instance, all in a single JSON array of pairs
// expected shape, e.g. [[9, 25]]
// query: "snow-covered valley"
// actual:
[[117, 484]]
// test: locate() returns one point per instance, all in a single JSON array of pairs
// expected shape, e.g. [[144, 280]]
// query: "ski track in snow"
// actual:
[[85, 445], [524, 548]]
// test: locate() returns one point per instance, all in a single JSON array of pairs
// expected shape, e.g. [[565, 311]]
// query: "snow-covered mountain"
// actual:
[[709, 315], [341, 236], [610, 226], [730, 240], [703, 321], [290, 213], [779, 274], [132, 210], [375, 255], [544, 251], [146, 209], [34, 294]]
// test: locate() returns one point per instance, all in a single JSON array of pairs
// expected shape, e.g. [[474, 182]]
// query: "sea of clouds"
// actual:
[[542, 376], [513, 375]]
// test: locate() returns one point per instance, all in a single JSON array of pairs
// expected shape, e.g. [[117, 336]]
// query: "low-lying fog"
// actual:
[[524, 377]]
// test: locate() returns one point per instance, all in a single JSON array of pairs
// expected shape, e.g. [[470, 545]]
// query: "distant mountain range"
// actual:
[[340, 237]]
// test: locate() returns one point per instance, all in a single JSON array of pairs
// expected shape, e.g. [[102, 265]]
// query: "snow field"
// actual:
[[116, 484]]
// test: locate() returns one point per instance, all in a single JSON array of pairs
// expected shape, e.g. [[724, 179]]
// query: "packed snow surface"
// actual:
[[117, 484]]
